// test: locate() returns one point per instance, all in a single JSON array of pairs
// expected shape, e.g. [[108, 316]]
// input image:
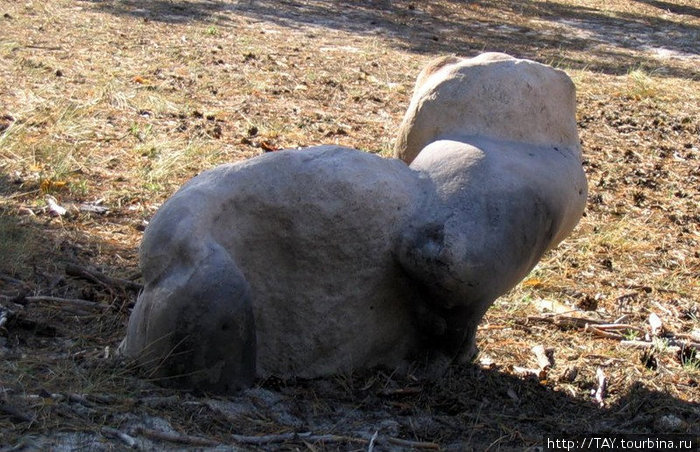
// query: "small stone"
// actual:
[[670, 423]]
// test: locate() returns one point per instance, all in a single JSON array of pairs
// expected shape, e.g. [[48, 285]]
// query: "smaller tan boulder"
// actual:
[[492, 96]]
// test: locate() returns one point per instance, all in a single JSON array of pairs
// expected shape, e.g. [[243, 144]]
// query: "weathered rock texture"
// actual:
[[497, 137], [492, 95], [293, 250], [312, 262]]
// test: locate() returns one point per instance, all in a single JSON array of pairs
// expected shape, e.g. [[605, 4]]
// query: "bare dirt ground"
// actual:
[[107, 106]]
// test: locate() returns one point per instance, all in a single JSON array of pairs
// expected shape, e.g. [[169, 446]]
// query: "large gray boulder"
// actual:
[[324, 260], [292, 251]]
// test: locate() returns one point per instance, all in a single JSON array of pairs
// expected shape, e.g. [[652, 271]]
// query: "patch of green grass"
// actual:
[[691, 364], [631, 335], [79, 187]]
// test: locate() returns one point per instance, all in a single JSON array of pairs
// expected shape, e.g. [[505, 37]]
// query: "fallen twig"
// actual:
[[15, 413], [602, 333], [372, 440], [72, 301], [671, 344], [176, 437], [599, 393], [413, 444], [159, 401], [79, 398], [411, 390], [4, 316], [114, 433], [267, 439], [621, 319], [10, 279], [306, 436], [309, 437], [106, 281], [566, 321], [72, 305], [101, 398], [38, 47], [619, 326], [612, 331]]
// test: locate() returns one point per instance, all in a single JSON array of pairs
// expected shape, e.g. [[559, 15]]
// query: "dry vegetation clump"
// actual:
[[106, 107]]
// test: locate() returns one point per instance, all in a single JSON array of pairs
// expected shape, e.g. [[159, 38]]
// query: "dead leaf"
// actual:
[[533, 282], [543, 358], [655, 324], [54, 207], [268, 147], [141, 80], [48, 185], [553, 306]]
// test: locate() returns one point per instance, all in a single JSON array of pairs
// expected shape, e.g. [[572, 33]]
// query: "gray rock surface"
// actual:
[[290, 250], [325, 260], [499, 207], [497, 137]]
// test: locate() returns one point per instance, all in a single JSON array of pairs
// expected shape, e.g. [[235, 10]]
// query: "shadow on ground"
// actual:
[[41, 285], [470, 409], [571, 36], [476, 407], [670, 7], [507, 404]]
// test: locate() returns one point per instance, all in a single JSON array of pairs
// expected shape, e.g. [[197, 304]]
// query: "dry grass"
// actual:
[[117, 102]]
